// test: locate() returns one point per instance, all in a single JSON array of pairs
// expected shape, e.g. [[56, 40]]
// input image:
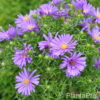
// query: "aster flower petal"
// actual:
[[21, 57], [8, 34], [75, 64], [26, 23], [95, 33], [79, 3], [97, 62], [45, 44], [72, 72], [47, 9], [88, 9], [97, 15], [27, 82], [62, 44]]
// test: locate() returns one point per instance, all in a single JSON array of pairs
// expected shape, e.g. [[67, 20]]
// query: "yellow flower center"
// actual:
[[26, 18], [46, 11], [85, 11], [96, 37], [7, 35], [26, 81], [64, 46], [98, 16], [31, 27]]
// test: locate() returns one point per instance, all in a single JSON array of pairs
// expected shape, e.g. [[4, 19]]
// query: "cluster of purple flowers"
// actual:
[[9, 34], [26, 23], [21, 57], [61, 46], [91, 18], [25, 81]]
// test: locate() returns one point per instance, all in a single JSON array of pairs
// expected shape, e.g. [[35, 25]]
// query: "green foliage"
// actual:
[[96, 3], [54, 85], [9, 9]]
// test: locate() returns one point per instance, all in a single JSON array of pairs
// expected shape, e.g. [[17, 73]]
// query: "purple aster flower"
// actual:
[[46, 44], [62, 44], [47, 9], [34, 12], [26, 23], [88, 9], [97, 15], [74, 64], [9, 34], [61, 13], [97, 63], [95, 33], [79, 3], [22, 57], [86, 24], [30, 25], [26, 82], [21, 19]]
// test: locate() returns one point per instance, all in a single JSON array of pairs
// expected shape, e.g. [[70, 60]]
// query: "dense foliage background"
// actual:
[[54, 84], [9, 9]]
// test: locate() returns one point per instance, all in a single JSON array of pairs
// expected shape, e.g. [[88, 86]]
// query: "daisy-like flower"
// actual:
[[47, 9], [21, 19], [62, 44], [79, 3], [9, 34], [22, 57], [30, 25], [97, 63], [88, 9], [75, 64], [95, 33], [97, 15], [26, 23], [46, 44], [26, 82]]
